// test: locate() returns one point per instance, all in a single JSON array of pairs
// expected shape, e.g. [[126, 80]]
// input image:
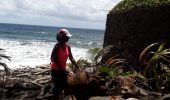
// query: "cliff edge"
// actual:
[[132, 29]]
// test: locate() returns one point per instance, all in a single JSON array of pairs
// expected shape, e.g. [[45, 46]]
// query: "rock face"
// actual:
[[131, 31]]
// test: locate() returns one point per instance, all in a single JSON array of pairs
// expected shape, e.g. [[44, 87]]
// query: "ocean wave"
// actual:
[[32, 53], [45, 33], [90, 44], [32, 45]]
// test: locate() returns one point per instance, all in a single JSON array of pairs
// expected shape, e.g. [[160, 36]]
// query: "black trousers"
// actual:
[[59, 78]]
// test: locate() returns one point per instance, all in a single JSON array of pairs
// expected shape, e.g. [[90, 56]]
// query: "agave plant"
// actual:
[[157, 64], [2, 59]]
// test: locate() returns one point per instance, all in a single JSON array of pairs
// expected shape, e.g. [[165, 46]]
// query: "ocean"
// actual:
[[31, 45]]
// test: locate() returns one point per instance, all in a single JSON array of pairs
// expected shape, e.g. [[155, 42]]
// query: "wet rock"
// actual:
[[106, 98], [132, 99]]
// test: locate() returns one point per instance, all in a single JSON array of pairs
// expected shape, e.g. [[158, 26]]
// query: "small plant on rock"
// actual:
[[157, 64]]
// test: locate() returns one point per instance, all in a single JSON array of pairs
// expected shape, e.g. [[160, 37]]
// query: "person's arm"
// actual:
[[71, 58], [53, 54]]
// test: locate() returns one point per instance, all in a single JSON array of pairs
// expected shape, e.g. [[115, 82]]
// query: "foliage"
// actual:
[[2, 59], [113, 61], [110, 71], [114, 66], [127, 73], [93, 52], [155, 58], [113, 72], [157, 64], [83, 63], [96, 54], [134, 4]]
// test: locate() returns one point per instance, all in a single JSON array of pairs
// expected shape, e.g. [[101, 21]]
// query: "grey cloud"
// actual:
[[75, 10]]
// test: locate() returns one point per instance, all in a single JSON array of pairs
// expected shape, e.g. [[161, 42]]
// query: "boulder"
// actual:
[[131, 31]]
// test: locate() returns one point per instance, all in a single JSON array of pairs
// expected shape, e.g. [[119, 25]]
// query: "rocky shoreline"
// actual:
[[25, 83], [35, 84]]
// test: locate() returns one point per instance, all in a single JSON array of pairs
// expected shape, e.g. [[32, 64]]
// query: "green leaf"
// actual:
[[126, 74], [161, 47]]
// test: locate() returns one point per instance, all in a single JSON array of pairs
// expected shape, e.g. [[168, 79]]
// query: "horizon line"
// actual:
[[50, 26]]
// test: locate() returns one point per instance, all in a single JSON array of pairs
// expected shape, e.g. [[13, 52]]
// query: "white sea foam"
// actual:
[[32, 53], [41, 32]]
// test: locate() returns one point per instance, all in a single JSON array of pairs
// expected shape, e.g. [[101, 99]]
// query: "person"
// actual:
[[61, 52]]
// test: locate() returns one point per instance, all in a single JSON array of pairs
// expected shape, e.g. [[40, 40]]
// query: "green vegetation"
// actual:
[[113, 75], [113, 66], [135, 4], [2, 59], [155, 62], [93, 53], [83, 63]]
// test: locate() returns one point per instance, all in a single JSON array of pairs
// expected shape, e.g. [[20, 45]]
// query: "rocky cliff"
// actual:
[[131, 31]]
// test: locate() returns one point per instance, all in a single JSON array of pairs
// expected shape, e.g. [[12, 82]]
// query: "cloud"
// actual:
[[48, 11]]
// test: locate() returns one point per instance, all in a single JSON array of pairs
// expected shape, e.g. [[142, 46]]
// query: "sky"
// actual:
[[62, 13]]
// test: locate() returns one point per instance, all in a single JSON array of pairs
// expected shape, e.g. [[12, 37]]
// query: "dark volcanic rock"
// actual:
[[130, 32]]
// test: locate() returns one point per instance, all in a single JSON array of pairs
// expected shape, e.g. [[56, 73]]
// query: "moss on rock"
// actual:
[[135, 4]]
